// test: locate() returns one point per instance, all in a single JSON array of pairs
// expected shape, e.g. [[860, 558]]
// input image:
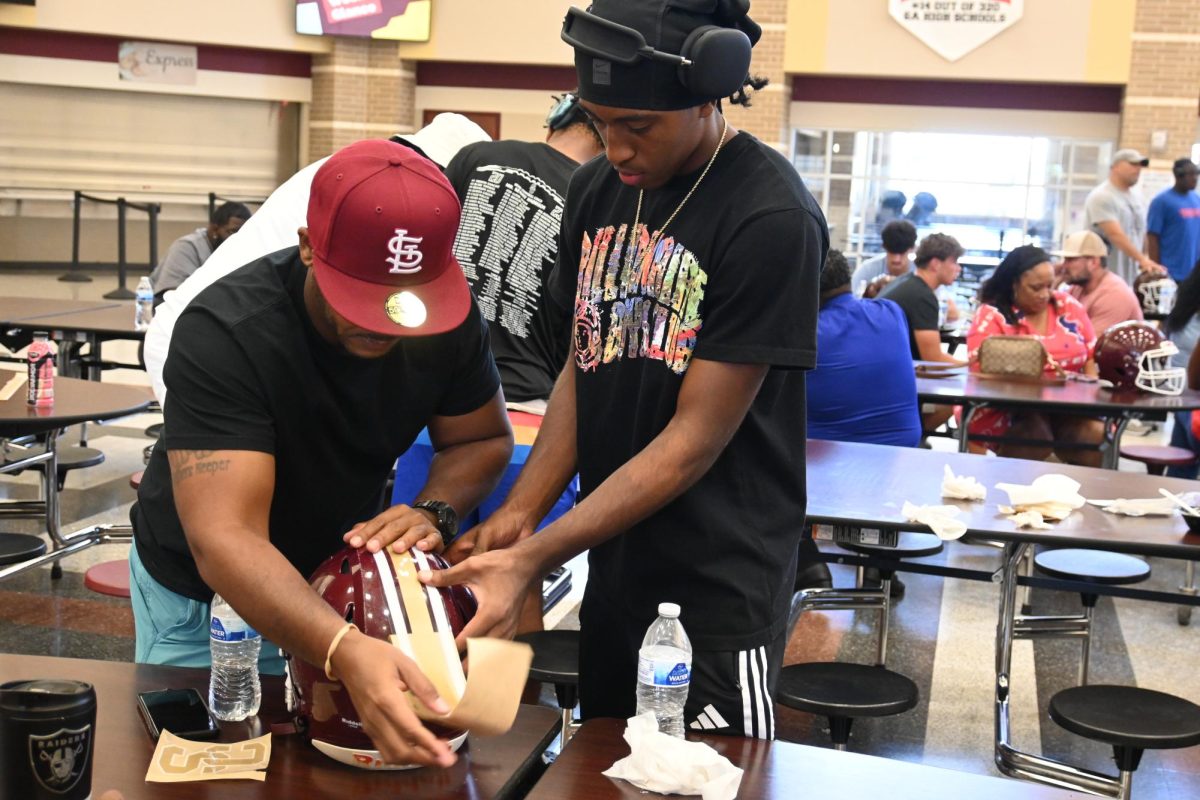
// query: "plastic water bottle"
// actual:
[[233, 690], [665, 670], [1166, 297], [144, 311]]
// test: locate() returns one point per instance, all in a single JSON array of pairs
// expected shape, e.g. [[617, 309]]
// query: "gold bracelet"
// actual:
[[337, 639]]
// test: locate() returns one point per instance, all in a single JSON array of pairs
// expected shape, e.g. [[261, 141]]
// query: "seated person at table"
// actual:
[[293, 383], [899, 237], [937, 266], [1019, 300], [187, 253], [863, 388], [1182, 327], [1106, 298]]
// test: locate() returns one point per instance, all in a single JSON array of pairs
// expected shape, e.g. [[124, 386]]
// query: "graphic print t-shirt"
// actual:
[[733, 279], [512, 198]]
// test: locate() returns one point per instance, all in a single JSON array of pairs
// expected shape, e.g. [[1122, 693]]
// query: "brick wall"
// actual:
[[767, 118], [361, 89], [1163, 92]]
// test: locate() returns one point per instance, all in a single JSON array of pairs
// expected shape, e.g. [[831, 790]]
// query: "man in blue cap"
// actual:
[[690, 257]]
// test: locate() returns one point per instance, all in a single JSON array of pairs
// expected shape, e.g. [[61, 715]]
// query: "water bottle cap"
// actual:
[[668, 610]]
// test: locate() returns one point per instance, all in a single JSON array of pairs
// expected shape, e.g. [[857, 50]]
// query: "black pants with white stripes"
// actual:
[[730, 693]]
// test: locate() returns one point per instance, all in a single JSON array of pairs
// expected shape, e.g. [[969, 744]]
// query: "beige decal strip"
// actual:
[[176, 760], [427, 650]]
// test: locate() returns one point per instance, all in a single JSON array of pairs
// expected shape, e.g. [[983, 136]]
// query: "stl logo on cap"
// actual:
[[406, 257], [381, 222]]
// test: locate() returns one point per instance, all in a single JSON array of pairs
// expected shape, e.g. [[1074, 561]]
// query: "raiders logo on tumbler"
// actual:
[[46, 730]]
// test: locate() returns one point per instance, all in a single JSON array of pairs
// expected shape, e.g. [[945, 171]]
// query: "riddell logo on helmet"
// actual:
[[406, 257]]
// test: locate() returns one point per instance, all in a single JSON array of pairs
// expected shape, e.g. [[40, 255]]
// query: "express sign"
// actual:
[[953, 28]]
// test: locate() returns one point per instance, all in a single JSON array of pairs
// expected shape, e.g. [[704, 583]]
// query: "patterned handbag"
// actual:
[[1014, 356]]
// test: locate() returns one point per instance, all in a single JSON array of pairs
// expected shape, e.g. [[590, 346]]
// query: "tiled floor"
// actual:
[[942, 632]]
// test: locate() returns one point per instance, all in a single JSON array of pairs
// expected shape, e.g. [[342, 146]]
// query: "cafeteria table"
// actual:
[[961, 388], [778, 771], [75, 401], [837, 473], [492, 767], [70, 324]]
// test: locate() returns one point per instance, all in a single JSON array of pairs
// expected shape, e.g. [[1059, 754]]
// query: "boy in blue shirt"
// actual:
[[1173, 223]]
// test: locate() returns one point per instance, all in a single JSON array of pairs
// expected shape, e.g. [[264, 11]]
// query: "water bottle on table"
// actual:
[[144, 311], [665, 670], [233, 690]]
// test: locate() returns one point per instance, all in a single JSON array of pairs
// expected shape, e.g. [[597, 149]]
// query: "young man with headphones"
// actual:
[[690, 258]]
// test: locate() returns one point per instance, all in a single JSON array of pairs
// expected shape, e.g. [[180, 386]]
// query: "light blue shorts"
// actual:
[[172, 629]]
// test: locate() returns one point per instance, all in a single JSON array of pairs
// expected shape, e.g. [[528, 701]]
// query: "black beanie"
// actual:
[[665, 24]]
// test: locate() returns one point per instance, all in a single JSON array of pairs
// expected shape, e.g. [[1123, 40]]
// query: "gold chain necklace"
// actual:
[[637, 217]]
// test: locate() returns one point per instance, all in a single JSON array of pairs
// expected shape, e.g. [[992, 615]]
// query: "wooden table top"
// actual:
[[1071, 396], [486, 768], [778, 770], [75, 401], [867, 485], [14, 310]]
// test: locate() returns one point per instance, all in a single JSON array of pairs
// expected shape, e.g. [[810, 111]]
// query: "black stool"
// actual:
[[1130, 719], [68, 458], [556, 661], [1084, 566], [844, 692], [18, 547]]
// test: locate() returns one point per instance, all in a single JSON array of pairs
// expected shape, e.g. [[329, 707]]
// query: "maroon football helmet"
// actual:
[[1155, 292], [1133, 355], [364, 589]]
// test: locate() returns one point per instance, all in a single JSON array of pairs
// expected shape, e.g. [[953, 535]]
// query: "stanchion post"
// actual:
[[74, 275], [121, 292]]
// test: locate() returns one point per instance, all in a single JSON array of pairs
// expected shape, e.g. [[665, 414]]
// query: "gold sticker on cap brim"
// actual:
[[405, 308]]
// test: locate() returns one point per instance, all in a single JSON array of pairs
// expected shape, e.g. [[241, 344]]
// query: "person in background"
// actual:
[[512, 194], [293, 383], [921, 211], [1116, 213], [1173, 223], [1019, 300], [899, 237], [1106, 298], [891, 206], [187, 253], [937, 266], [1182, 327]]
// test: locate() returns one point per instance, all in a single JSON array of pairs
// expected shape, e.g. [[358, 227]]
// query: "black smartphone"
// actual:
[[180, 711]]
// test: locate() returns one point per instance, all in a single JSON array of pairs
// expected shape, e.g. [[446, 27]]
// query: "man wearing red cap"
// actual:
[[293, 384], [690, 258]]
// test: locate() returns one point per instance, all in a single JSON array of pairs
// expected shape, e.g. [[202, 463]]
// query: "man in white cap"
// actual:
[[1107, 299], [1114, 212]]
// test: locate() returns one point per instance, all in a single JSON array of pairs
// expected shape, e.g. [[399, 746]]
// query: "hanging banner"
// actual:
[[157, 63], [953, 28], [400, 20]]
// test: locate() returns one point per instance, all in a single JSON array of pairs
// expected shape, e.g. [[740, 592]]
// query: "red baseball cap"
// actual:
[[381, 221]]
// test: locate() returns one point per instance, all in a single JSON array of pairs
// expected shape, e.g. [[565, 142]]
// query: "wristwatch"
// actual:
[[447, 518]]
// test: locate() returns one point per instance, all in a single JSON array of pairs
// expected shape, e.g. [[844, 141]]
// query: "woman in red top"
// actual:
[[1019, 300]]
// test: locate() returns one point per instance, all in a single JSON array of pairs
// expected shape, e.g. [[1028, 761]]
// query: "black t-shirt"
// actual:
[[248, 371], [919, 304], [734, 280], [512, 198]]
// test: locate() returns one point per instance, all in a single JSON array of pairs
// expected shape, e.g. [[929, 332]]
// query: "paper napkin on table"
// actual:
[[1026, 519], [661, 763], [962, 487], [1152, 506], [942, 520], [177, 760], [1053, 496]]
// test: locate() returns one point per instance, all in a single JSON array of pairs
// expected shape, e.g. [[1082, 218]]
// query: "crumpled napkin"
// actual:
[[1053, 496], [942, 520], [1154, 506], [961, 487], [661, 763], [1026, 519]]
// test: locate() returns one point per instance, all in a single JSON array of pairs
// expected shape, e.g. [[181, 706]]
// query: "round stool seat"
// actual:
[[18, 547], [837, 689], [555, 656], [76, 457], [910, 545], [109, 577], [1092, 566], [1165, 455], [135, 480], [1126, 716], [154, 431]]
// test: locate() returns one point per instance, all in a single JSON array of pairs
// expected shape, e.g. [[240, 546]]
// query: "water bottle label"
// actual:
[[664, 673], [223, 632]]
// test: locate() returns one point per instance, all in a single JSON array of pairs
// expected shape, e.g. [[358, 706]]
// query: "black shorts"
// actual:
[[731, 690]]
